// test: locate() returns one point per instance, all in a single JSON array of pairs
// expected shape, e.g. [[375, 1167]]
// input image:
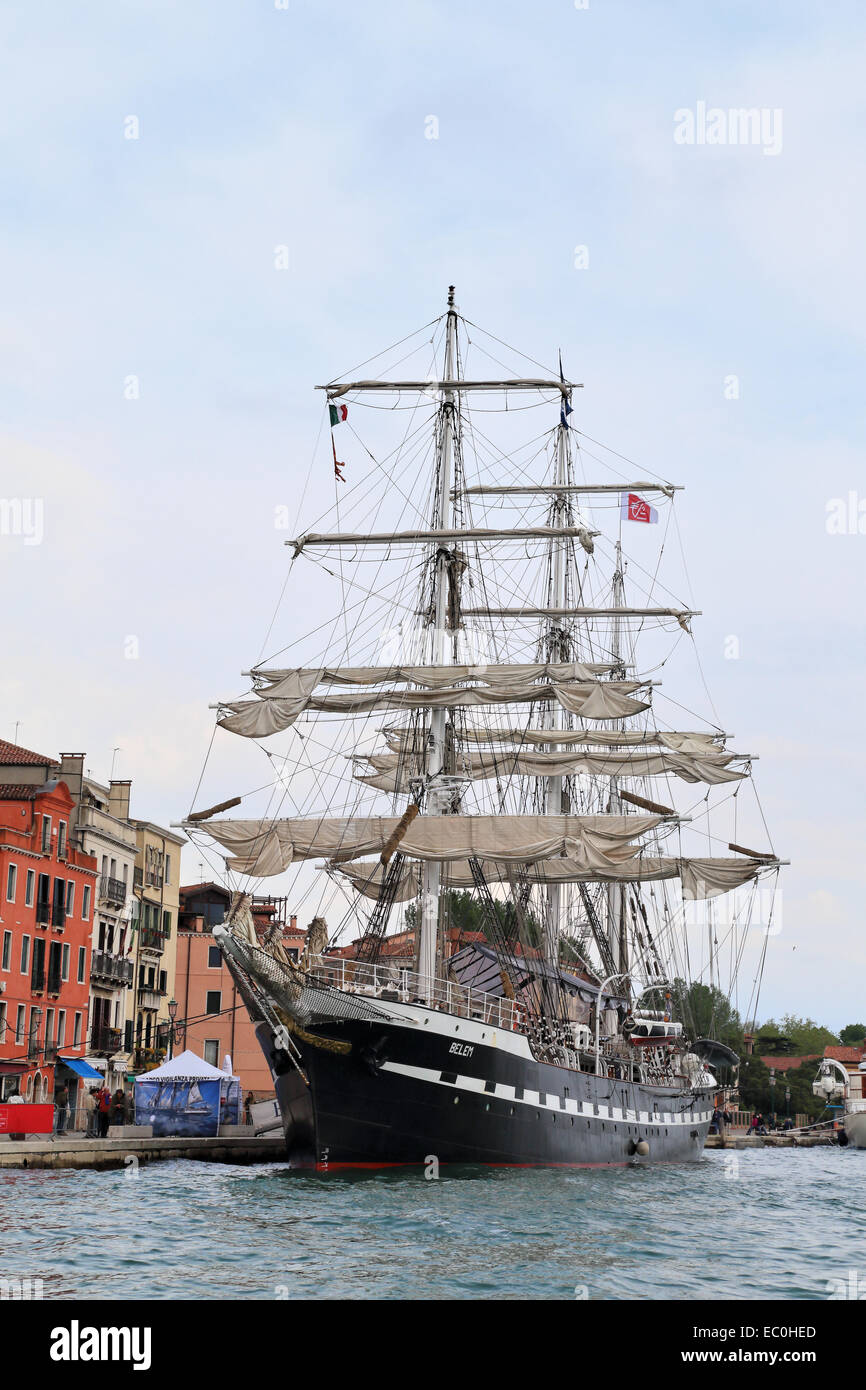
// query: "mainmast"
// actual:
[[431, 879], [557, 644]]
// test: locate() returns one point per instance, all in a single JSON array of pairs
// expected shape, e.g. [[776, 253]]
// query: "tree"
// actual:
[[703, 1010], [853, 1034], [807, 1036], [756, 1093], [463, 911]]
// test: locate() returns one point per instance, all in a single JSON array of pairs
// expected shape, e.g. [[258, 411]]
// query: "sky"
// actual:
[[207, 209]]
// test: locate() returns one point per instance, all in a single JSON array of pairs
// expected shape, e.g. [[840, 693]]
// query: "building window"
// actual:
[[20, 1020], [11, 883], [25, 954], [82, 963], [61, 1027], [43, 900], [85, 902], [76, 1031], [7, 950], [61, 839], [29, 888], [46, 834], [70, 897], [64, 969], [212, 1051], [168, 868], [166, 925], [2, 1023], [214, 957], [49, 1028], [214, 1001]]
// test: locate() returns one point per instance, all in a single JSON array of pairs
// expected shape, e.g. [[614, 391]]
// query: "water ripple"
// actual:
[[757, 1224]]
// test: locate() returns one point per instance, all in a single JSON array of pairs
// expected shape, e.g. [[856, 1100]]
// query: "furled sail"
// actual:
[[392, 772], [701, 878], [269, 847], [292, 682], [404, 740], [443, 537], [269, 714]]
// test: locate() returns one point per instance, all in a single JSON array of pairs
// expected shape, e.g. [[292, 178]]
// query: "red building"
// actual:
[[46, 920]]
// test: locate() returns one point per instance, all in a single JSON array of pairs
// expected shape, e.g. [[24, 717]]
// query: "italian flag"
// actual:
[[338, 413]]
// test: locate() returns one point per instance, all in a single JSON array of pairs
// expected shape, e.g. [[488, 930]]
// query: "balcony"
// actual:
[[43, 913], [50, 1052], [58, 914], [37, 979], [112, 891], [150, 996], [148, 1057], [104, 1042], [151, 940], [111, 969]]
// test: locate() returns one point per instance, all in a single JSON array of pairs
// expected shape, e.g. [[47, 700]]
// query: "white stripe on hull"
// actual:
[[547, 1101]]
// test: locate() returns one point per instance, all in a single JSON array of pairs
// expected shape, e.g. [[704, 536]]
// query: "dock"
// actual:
[[785, 1140], [70, 1151]]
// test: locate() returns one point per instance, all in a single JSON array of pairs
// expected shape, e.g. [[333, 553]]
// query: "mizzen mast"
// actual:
[[616, 928]]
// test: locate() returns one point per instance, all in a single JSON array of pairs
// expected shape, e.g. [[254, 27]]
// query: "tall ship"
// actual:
[[472, 761]]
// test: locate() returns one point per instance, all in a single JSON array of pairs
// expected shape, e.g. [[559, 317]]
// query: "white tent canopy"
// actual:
[[186, 1067]]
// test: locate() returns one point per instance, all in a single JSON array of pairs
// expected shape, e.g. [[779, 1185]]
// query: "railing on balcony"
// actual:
[[105, 966], [112, 890], [54, 980], [152, 940], [43, 912], [37, 979], [150, 996], [32, 1048], [106, 1041], [50, 1052], [58, 914], [148, 1057]]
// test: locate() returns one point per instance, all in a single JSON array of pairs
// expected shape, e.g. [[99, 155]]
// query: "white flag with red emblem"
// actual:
[[634, 508]]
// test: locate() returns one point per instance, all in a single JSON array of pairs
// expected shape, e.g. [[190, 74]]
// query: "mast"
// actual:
[[431, 878], [616, 891], [557, 652]]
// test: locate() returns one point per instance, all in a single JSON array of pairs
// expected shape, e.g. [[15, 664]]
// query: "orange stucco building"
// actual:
[[211, 1018]]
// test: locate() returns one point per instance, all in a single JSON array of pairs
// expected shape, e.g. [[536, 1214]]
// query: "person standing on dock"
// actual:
[[61, 1107], [15, 1098], [103, 1106], [90, 1109]]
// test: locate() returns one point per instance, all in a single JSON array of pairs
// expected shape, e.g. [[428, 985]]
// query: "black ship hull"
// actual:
[[404, 1093]]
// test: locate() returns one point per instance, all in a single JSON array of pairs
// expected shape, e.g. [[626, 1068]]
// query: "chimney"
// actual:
[[118, 799], [293, 923], [72, 773]]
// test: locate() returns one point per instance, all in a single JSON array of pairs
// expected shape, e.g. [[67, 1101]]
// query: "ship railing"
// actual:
[[397, 984]]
